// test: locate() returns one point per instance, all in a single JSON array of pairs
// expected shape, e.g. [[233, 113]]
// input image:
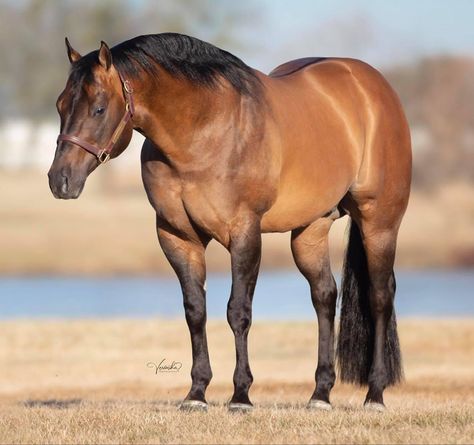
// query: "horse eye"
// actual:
[[99, 111]]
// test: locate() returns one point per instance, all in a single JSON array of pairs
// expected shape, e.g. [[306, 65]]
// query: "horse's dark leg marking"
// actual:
[[380, 251], [379, 225], [187, 259], [310, 251], [245, 250]]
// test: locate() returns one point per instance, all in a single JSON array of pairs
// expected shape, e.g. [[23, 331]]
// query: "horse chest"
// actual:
[[187, 205], [208, 209]]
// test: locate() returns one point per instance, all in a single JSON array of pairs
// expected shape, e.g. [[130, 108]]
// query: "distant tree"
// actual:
[[438, 96], [33, 64]]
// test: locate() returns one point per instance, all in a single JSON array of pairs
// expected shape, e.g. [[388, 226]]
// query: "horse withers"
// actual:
[[231, 153]]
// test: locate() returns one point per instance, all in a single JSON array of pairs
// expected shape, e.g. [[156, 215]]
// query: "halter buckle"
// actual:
[[127, 87], [103, 156]]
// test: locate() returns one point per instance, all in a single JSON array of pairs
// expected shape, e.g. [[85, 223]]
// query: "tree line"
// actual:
[[437, 92]]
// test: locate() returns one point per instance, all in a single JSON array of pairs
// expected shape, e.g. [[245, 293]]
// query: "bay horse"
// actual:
[[231, 153]]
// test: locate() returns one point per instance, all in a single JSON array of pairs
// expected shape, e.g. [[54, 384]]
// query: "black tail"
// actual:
[[356, 331]]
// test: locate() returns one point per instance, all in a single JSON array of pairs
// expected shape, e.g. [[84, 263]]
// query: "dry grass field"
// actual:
[[81, 381]]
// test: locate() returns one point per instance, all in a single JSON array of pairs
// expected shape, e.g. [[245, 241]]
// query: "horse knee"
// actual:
[[239, 323], [195, 314]]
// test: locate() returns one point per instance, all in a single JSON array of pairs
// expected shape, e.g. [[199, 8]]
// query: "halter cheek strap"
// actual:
[[103, 154]]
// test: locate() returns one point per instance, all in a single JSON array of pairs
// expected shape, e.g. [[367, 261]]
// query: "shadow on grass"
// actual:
[[169, 405], [52, 403]]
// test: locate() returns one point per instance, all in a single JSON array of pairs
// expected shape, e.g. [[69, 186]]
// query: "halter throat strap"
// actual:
[[103, 154]]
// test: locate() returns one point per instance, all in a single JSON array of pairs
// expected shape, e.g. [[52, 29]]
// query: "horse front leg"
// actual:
[[186, 256], [245, 251]]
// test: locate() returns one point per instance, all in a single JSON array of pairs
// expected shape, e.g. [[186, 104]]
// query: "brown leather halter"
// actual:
[[103, 154]]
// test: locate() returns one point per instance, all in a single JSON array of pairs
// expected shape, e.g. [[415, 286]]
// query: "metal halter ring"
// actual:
[[103, 156]]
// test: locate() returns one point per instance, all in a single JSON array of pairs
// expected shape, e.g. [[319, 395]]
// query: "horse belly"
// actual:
[[318, 165], [309, 195]]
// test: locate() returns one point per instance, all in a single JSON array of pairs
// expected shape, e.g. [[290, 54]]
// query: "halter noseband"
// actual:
[[103, 154]]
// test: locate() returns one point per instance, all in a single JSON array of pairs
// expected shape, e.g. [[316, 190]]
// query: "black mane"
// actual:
[[195, 60]]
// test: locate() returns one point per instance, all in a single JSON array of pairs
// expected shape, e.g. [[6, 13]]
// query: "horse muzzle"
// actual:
[[64, 186]]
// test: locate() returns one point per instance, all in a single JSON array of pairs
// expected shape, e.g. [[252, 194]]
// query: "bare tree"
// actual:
[[33, 65]]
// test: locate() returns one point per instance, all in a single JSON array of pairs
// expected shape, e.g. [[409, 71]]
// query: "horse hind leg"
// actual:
[[310, 251], [368, 346]]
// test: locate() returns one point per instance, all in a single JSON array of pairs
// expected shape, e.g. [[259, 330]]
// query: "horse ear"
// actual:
[[72, 54], [105, 56]]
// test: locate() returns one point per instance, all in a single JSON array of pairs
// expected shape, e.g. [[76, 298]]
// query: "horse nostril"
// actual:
[[64, 185]]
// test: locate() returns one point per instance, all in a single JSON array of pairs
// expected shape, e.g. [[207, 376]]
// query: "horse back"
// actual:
[[294, 65]]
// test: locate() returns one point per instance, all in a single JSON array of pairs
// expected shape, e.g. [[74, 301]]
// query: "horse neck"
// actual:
[[182, 118]]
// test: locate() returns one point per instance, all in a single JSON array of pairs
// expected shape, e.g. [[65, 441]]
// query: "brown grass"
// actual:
[[111, 229], [87, 382]]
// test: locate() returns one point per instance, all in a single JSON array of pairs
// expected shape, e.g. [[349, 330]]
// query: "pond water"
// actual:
[[279, 296]]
